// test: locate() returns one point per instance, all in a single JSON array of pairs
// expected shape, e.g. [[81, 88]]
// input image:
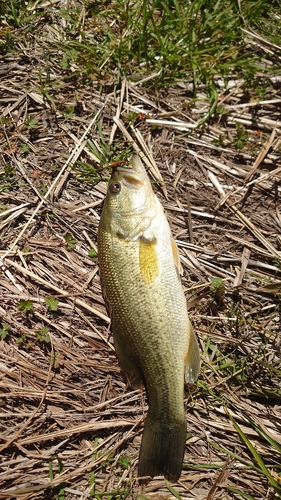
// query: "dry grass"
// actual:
[[69, 427]]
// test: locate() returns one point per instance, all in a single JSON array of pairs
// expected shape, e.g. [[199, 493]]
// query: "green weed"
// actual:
[[43, 188], [58, 492], [85, 172], [69, 111], [8, 173], [241, 138], [42, 335], [217, 289], [51, 303], [46, 86], [26, 253], [31, 122], [56, 360], [21, 339], [55, 168], [13, 11], [70, 241], [25, 305], [4, 330], [9, 179], [125, 461], [93, 254], [25, 148]]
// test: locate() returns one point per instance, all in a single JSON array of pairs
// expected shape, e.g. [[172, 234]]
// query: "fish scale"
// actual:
[[154, 340]]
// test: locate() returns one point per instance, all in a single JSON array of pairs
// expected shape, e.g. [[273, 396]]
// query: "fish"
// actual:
[[153, 337]]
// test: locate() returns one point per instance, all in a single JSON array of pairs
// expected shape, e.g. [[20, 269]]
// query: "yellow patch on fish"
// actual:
[[149, 266]]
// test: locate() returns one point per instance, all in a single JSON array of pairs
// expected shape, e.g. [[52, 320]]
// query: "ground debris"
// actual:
[[67, 419]]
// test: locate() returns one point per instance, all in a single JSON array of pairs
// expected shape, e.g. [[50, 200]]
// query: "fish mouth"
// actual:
[[137, 164], [132, 175]]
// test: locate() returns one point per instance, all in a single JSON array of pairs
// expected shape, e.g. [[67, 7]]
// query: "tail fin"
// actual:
[[162, 449]]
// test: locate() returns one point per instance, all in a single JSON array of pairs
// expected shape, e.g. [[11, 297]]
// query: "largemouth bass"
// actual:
[[153, 337]]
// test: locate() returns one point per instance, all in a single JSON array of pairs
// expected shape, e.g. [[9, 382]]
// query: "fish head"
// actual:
[[129, 190], [130, 203]]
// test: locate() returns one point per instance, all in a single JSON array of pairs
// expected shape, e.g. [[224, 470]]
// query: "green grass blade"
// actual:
[[247, 463], [172, 490], [256, 456], [239, 492], [264, 435]]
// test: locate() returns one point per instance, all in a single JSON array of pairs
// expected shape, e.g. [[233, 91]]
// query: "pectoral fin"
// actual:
[[176, 256], [192, 359], [131, 372]]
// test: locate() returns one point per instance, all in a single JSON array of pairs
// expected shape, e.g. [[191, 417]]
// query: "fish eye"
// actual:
[[115, 187]]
